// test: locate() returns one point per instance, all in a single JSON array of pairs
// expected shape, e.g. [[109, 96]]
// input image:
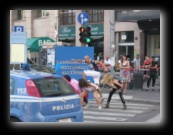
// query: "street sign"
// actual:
[[18, 28], [18, 47], [83, 18]]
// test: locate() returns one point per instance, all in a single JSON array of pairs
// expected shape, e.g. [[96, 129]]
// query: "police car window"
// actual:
[[53, 87], [12, 86]]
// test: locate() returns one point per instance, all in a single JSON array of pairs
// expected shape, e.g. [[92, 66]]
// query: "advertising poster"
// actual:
[[51, 57]]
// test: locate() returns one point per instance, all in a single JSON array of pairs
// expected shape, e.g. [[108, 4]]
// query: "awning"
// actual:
[[35, 44], [137, 16]]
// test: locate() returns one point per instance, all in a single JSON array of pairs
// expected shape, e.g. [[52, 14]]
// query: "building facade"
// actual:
[[63, 25]]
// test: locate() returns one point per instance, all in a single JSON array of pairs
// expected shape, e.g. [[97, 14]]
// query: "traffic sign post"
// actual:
[[83, 18], [18, 47]]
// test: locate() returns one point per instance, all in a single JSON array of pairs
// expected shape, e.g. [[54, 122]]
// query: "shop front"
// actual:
[[149, 23], [34, 45]]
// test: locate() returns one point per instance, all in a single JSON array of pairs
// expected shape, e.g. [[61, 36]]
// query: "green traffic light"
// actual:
[[88, 40]]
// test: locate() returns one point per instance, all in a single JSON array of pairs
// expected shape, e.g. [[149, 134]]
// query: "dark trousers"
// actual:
[[85, 100], [153, 77], [120, 95]]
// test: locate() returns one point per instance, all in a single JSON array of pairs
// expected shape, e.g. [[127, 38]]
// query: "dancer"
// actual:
[[88, 87], [94, 72], [114, 85]]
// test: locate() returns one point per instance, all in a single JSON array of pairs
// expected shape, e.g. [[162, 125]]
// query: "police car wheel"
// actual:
[[12, 119]]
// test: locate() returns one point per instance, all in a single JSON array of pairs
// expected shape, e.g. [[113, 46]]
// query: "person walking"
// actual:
[[88, 87], [75, 84], [93, 71], [124, 72], [153, 73], [114, 85]]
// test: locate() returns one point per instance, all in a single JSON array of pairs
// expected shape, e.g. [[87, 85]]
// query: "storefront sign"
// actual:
[[66, 31], [96, 29]]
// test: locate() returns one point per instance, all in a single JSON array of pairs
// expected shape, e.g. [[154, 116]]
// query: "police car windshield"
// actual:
[[53, 87]]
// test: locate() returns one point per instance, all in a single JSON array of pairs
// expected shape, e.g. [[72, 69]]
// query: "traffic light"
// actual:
[[88, 35], [82, 34], [85, 35]]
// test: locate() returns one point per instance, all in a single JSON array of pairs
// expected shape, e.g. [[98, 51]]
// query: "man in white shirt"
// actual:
[[107, 63]]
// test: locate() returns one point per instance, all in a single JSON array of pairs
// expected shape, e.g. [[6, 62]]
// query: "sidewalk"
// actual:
[[138, 95]]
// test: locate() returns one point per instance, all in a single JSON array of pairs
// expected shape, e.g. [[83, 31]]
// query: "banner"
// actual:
[[65, 64]]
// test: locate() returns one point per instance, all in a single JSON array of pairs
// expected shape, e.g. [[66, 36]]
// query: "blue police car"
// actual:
[[42, 97]]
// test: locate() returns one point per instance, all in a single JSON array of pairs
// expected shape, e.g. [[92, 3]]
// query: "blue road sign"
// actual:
[[18, 28], [83, 18]]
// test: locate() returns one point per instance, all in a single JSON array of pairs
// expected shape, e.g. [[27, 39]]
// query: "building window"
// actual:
[[42, 13], [126, 37], [67, 17], [95, 15], [21, 14]]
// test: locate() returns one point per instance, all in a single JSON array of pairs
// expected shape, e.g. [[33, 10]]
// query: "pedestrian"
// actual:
[[153, 73], [124, 72], [146, 65], [107, 63], [93, 71], [137, 63], [114, 85], [88, 87], [75, 84]]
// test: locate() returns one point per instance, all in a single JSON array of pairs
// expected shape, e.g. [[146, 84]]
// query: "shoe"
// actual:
[[147, 89], [86, 106], [125, 107], [99, 107], [101, 100], [107, 106], [153, 88]]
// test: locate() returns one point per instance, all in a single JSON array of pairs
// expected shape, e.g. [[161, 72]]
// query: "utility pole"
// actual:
[[112, 39]]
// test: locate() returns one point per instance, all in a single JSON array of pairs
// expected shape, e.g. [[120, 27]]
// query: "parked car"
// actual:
[[42, 97]]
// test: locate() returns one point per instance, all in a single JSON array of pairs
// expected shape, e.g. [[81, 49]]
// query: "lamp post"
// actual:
[[112, 39]]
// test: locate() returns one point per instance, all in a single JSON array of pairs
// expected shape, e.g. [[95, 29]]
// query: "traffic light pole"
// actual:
[[112, 39]]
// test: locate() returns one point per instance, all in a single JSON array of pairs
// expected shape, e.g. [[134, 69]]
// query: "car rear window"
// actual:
[[53, 87]]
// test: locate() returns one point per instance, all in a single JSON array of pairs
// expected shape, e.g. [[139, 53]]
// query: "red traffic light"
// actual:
[[81, 29]]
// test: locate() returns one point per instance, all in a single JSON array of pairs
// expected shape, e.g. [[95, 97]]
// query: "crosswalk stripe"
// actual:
[[115, 110], [119, 102], [121, 106], [109, 114], [105, 118]]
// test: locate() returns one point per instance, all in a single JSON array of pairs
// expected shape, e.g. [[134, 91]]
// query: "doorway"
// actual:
[[128, 50]]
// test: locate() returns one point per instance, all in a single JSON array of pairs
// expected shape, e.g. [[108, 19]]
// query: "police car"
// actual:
[[42, 97]]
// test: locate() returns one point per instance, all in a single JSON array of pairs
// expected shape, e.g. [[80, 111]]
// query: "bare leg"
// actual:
[[84, 76], [99, 91], [82, 95], [125, 87], [96, 97]]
